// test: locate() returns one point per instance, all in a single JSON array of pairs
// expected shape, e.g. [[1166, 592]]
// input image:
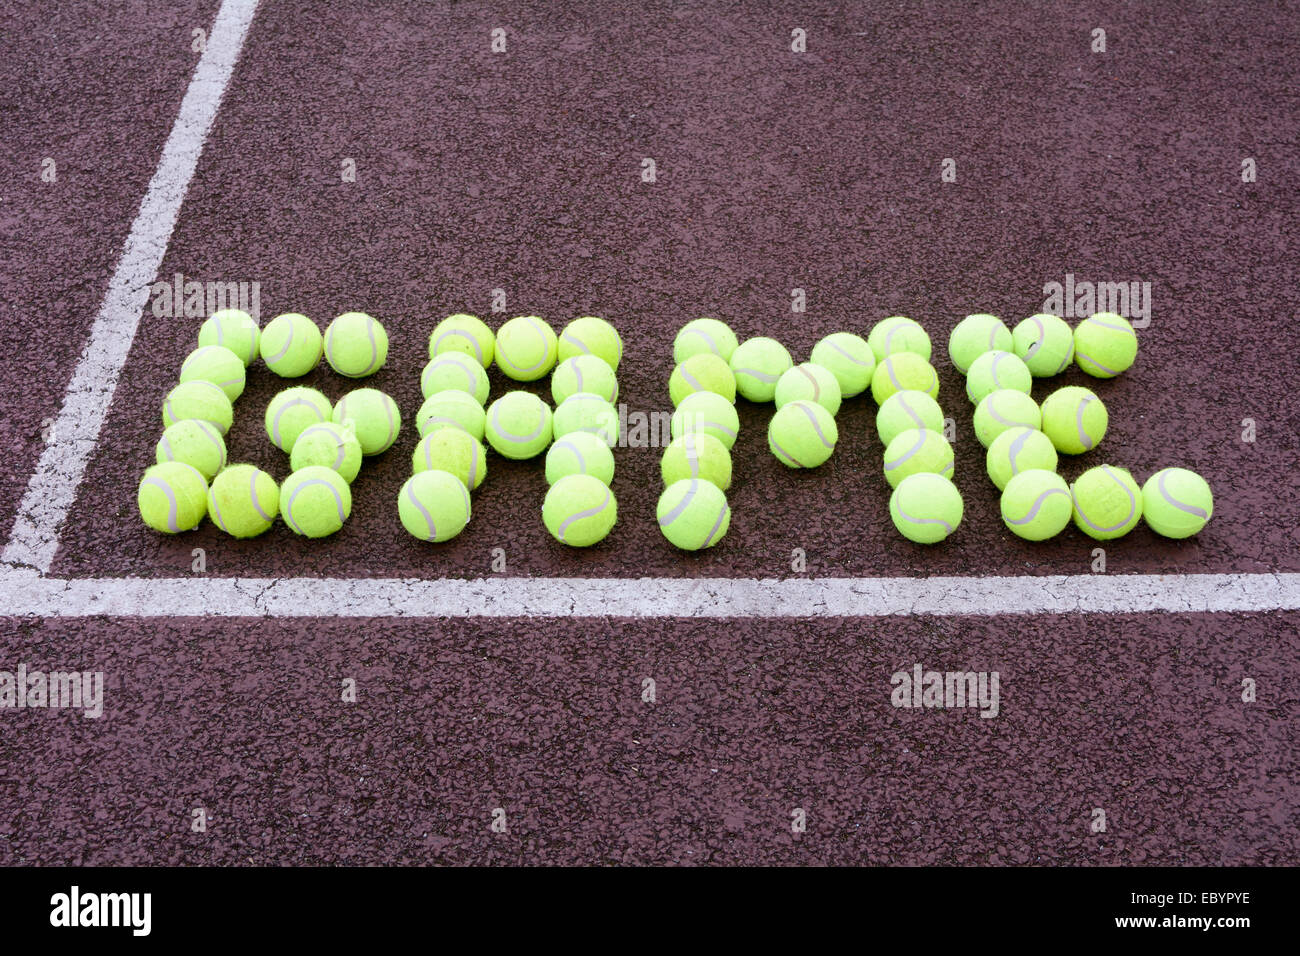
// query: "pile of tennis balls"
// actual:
[[325, 441]]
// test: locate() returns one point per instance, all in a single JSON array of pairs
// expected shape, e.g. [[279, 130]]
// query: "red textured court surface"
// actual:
[[521, 171]]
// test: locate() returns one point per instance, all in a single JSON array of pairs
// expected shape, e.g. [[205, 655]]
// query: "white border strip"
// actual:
[[27, 593], [72, 438]]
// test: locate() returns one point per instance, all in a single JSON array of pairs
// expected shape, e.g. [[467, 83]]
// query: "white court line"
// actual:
[[53, 487], [23, 592]]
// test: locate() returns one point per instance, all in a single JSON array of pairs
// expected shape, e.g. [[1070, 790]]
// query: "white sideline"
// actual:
[[73, 435], [24, 592]]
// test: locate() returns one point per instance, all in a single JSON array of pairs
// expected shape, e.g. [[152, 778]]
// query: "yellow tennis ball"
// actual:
[[199, 399], [233, 328], [975, 335], [579, 510], [466, 334], [356, 345], [1074, 419], [1105, 345], [519, 425], [705, 372], [434, 506], [997, 370], [907, 409], [903, 371], [693, 514], [453, 369], [173, 497], [849, 358], [704, 335], [585, 412], [526, 348], [1107, 502], [897, 334], [1003, 409], [585, 373], [329, 445], [374, 416], [290, 413], [926, 508], [453, 451], [218, 365], [758, 364], [1045, 343], [1036, 504], [243, 501], [697, 455], [196, 443], [591, 335], [291, 345], [809, 382], [579, 453], [1177, 503], [802, 435], [709, 414], [915, 451], [451, 409], [1017, 450], [315, 501]]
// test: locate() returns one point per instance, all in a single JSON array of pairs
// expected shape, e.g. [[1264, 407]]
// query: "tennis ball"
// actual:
[[454, 370], [705, 372], [585, 412], [809, 382], [451, 409], [434, 505], [975, 335], [925, 507], [243, 501], [374, 416], [1036, 504], [708, 414], [1107, 502], [218, 365], [585, 373], [356, 345], [199, 399], [1003, 409], [907, 409], [233, 328], [579, 453], [1074, 419], [453, 451], [196, 443], [291, 345], [1176, 502], [896, 334], [997, 370], [290, 413], [903, 371], [802, 435], [1105, 344], [1045, 343], [849, 359], [579, 510], [519, 425], [466, 334], [697, 455], [1017, 450], [173, 497], [915, 451], [693, 514], [526, 348], [758, 364], [704, 336], [330, 445], [315, 501], [591, 335]]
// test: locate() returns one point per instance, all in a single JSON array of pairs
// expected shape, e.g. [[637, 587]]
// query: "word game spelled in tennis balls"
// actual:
[[1074, 419], [705, 372], [1045, 343], [585, 412], [196, 443], [897, 334], [579, 510], [454, 370], [704, 335], [849, 358], [916, 451], [527, 348], [466, 334], [697, 455], [591, 335], [292, 345], [233, 328], [926, 508], [315, 501], [802, 435], [903, 372], [243, 501], [1036, 504], [1105, 345], [373, 416], [292, 412], [218, 365], [451, 409], [1003, 409], [693, 514], [434, 506], [519, 425], [199, 399], [356, 345], [579, 453], [809, 382], [1177, 503], [708, 414], [453, 451], [1017, 450], [907, 409], [758, 364], [1107, 502], [585, 373], [173, 497], [330, 446], [975, 335], [994, 371]]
